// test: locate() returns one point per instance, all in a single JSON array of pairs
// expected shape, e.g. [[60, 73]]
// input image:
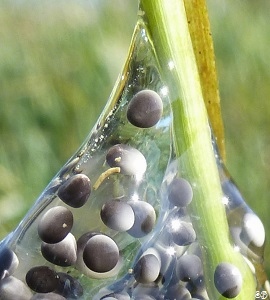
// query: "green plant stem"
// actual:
[[167, 25]]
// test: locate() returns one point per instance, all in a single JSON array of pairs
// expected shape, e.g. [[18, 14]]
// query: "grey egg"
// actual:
[[130, 160], [199, 297], [8, 262], [146, 289], [197, 286], [122, 296], [147, 268], [189, 268], [6, 257], [63, 253], [85, 238], [145, 218], [228, 280], [252, 230], [180, 192], [117, 215], [144, 297], [68, 286], [48, 296], [82, 267], [177, 292], [11, 288], [55, 224], [101, 253], [42, 279], [119, 296], [75, 191], [145, 109], [183, 234]]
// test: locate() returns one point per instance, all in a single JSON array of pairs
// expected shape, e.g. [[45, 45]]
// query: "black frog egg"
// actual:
[[117, 215], [55, 224], [8, 262], [63, 253], [252, 230], [145, 218], [228, 280], [122, 296], [84, 239], [118, 296], [80, 263], [180, 192], [5, 260], [197, 287], [101, 253], [130, 160], [150, 289], [68, 286], [75, 191], [145, 109], [144, 297], [42, 279], [147, 268], [177, 292], [189, 268], [183, 234], [11, 288]]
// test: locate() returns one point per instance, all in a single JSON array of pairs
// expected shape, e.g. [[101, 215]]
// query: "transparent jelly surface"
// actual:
[[114, 222]]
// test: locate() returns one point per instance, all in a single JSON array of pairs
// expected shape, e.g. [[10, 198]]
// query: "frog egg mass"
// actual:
[[120, 219]]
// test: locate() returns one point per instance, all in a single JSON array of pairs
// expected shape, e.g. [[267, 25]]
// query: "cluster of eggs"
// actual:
[[169, 266]]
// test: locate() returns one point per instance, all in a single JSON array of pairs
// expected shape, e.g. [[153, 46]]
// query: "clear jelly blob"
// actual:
[[114, 222]]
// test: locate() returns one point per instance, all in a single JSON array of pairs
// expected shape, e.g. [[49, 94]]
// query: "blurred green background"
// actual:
[[58, 64]]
